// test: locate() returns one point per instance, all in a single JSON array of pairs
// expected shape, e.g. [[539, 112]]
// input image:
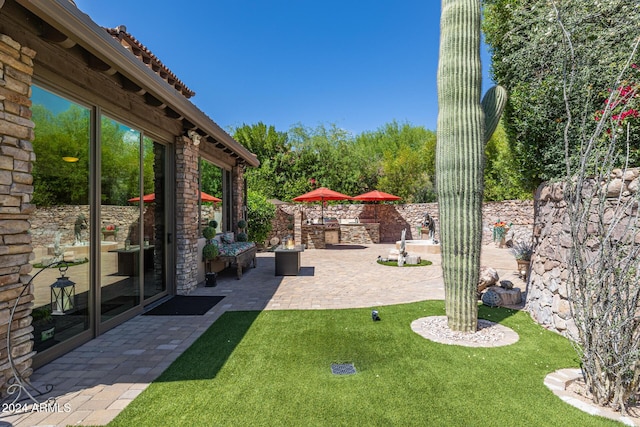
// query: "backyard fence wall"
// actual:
[[393, 218], [547, 296]]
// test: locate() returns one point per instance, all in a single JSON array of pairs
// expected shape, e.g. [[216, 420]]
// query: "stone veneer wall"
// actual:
[[394, 218], [547, 297], [187, 229], [237, 196], [16, 189], [46, 222]]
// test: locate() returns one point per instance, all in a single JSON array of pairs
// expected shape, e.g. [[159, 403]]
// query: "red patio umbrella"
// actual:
[[208, 198], [376, 196], [148, 198], [320, 195]]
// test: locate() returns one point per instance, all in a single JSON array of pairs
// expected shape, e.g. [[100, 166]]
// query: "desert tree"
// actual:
[[603, 223]]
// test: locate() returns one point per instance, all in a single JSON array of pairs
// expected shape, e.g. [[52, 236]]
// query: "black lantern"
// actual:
[[63, 293]]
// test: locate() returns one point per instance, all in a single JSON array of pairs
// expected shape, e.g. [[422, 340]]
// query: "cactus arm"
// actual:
[[493, 104]]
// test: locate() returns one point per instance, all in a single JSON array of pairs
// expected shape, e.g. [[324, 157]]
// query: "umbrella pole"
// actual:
[[322, 211]]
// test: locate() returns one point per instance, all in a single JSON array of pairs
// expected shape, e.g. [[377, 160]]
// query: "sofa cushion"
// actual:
[[233, 249], [228, 237]]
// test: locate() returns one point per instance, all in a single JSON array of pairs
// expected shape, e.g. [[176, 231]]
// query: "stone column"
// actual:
[[187, 256], [237, 195], [16, 190]]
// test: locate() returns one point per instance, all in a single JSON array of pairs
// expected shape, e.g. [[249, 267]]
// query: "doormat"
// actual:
[[181, 305]]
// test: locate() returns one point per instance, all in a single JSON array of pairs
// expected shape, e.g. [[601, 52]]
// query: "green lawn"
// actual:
[[273, 368]]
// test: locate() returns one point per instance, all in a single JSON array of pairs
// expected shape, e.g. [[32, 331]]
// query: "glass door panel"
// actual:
[[60, 226], [154, 218], [122, 241], [211, 184]]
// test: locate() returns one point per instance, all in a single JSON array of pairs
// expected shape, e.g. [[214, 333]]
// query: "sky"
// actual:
[[355, 64]]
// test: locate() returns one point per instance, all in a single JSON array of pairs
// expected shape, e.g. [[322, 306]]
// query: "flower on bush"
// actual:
[[620, 104]]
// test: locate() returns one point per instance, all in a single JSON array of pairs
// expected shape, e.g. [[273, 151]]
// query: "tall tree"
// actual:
[[502, 175], [528, 60], [462, 134], [274, 153], [383, 153]]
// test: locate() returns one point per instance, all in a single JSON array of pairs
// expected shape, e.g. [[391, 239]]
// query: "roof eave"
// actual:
[[78, 26]]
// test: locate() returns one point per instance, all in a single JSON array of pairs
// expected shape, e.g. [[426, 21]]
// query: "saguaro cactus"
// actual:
[[462, 134]]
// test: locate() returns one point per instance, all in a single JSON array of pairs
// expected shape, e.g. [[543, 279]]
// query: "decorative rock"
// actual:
[[488, 277], [508, 297], [491, 298], [614, 187], [506, 284], [413, 259], [630, 174]]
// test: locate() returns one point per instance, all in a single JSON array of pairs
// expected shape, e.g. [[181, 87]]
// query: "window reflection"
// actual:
[[123, 241], [211, 184], [59, 226]]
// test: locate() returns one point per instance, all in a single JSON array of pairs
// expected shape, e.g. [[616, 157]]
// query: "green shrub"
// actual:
[[210, 251], [209, 232], [242, 224], [213, 223], [242, 237], [260, 212]]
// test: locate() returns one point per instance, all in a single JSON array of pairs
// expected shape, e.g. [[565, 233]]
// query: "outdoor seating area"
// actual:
[[234, 253]]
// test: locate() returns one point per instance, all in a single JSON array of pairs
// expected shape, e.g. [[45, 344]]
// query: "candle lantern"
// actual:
[[63, 294]]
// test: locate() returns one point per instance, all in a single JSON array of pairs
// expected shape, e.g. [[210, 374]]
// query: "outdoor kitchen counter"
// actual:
[[317, 236]]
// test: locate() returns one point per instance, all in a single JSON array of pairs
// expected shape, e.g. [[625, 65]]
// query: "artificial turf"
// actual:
[[273, 368]]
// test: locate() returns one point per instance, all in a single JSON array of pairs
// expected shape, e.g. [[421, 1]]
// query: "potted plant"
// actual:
[[522, 251], [500, 229], [209, 233], [210, 251], [242, 235]]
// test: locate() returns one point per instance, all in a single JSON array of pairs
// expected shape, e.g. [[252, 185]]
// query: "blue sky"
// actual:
[[356, 64]]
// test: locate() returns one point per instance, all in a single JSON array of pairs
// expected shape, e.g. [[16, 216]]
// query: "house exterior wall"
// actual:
[[16, 189], [71, 69]]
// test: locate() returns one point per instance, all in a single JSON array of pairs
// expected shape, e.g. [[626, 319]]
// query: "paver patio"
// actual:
[[94, 382]]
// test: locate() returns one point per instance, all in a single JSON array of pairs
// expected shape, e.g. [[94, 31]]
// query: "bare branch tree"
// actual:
[[604, 261]]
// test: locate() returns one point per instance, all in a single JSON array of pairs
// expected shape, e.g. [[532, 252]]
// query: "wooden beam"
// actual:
[[169, 112], [186, 124], [52, 35], [153, 101], [98, 64], [130, 86]]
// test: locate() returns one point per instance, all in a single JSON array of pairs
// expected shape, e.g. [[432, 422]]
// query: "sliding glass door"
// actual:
[[100, 190]]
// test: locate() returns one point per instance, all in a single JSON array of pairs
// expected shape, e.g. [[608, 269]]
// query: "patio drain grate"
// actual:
[[343, 369]]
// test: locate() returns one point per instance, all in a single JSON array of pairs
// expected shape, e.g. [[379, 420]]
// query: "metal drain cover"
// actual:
[[343, 369]]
